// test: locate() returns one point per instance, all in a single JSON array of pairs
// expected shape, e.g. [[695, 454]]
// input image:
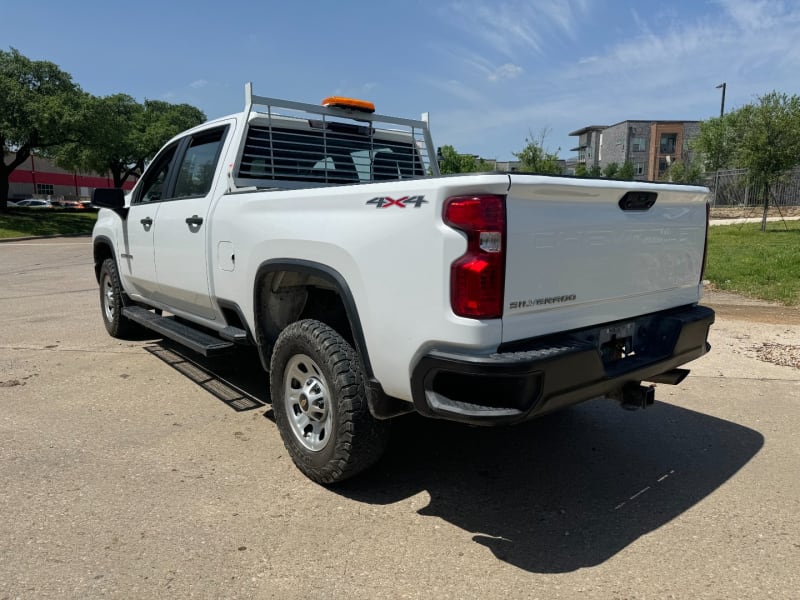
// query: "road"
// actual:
[[130, 471]]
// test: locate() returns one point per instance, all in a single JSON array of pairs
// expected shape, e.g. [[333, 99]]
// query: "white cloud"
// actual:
[[517, 25], [354, 90], [460, 90], [199, 83], [664, 68], [753, 15], [506, 71]]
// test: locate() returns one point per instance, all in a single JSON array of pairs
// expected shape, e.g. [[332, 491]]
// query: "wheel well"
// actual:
[[288, 296], [285, 296], [102, 251]]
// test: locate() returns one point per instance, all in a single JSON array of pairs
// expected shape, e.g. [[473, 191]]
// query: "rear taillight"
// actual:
[[477, 278], [705, 245]]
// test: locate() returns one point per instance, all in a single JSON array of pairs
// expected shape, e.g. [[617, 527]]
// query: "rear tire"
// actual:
[[111, 302], [320, 404]]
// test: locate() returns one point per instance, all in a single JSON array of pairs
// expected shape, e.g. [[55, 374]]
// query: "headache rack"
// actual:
[[291, 145]]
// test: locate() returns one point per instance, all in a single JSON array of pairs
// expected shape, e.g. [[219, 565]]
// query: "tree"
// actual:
[[120, 134], [626, 171], [106, 143], [594, 171], [451, 161], [769, 141], [716, 142], [581, 171], [763, 137], [535, 158], [39, 109], [611, 171], [682, 172]]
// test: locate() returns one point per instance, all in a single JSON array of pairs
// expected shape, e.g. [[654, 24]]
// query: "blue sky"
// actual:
[[488, 72]]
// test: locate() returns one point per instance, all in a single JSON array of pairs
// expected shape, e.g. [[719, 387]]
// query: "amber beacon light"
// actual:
[[349, 104]]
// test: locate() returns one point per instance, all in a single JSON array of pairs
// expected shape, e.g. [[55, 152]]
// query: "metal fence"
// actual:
[[731, 188]]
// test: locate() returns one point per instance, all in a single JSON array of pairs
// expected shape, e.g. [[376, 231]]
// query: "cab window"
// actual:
[[156, 177]]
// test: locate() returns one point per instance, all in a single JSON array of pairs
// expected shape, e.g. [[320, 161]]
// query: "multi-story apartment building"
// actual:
[[588, 148], [651, 146]]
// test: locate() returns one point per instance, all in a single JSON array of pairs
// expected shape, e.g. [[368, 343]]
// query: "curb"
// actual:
[[44, 237]]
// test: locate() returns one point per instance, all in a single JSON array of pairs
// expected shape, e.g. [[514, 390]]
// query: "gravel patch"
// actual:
[[785, 355]]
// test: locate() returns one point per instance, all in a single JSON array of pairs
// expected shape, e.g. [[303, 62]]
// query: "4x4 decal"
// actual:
[[386, 202]]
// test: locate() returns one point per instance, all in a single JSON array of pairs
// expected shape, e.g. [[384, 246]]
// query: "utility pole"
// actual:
[[722, 104], [722, 85]]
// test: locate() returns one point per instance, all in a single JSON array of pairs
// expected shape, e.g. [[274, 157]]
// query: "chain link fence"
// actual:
[[731, 188]]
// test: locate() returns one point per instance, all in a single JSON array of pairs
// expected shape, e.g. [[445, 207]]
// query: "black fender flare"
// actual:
[[101, 240], [335, 279]]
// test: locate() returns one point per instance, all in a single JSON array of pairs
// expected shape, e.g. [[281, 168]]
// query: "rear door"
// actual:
[[584, 252]]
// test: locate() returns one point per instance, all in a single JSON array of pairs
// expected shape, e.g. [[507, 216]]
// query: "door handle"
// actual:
[[194, 221], [147, 221]]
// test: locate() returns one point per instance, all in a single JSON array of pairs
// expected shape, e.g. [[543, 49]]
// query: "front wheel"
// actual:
[[320, 404], [111, 296]]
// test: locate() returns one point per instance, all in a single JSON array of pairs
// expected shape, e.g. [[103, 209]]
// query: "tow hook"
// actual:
[[634, 396]]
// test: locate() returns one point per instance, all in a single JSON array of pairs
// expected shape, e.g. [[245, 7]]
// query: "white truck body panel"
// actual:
[[569, 238], [566, 238]]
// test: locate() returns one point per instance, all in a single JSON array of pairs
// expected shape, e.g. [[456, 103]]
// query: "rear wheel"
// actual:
[[111, 303], [320, 404]]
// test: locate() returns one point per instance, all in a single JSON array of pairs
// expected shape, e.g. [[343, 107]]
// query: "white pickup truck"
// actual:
[[371, 286]]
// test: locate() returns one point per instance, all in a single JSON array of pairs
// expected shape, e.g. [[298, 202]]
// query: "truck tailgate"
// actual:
[[576, 257]]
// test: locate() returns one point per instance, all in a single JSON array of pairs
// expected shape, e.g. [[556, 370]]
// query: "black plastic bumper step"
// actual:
[[194, 339]]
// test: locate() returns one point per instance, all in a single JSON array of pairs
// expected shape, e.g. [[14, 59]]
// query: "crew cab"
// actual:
[[371, 286]]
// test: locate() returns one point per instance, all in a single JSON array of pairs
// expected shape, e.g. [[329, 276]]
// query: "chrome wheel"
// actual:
[[109, 299], [320, 403], [308, 402]]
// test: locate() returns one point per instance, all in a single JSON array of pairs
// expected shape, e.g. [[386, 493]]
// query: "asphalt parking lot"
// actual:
[[130, 470]]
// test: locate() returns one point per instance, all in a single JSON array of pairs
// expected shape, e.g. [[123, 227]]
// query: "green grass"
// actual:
[[764, 265], [22, 222]]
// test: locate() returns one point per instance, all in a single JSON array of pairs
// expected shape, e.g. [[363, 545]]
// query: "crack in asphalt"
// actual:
[[93, 289], [86, 350]]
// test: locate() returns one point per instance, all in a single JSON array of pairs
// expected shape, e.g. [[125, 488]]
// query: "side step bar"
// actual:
[[194, 339]]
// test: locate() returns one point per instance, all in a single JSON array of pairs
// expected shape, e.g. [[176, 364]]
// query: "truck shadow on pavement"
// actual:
[[236, 379], [561, 493], [564, 492]]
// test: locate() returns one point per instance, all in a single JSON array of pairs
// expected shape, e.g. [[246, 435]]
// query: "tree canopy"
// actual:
[[762, 137], [43, 110], [536, 158], [121, 134], [611, 171], [451, 162], [685, 172], [39, 109]]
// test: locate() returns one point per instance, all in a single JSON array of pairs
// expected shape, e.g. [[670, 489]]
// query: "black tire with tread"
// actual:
[[118, 326], [358, 440]]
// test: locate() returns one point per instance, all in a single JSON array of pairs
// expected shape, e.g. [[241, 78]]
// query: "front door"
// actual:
[[180, 238], [137, 257]]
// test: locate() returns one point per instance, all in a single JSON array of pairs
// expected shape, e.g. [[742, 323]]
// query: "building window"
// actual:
[[638, 168], [46, 189], [663, 165], [668, 142], [637, 144]]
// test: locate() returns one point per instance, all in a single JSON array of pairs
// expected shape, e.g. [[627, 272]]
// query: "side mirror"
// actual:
[[113, 198]]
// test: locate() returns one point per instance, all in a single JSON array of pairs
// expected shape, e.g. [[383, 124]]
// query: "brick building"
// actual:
[[39, 177], [651, 146]]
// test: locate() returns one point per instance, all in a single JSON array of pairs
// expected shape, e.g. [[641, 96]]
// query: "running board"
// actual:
[[194, 339]]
